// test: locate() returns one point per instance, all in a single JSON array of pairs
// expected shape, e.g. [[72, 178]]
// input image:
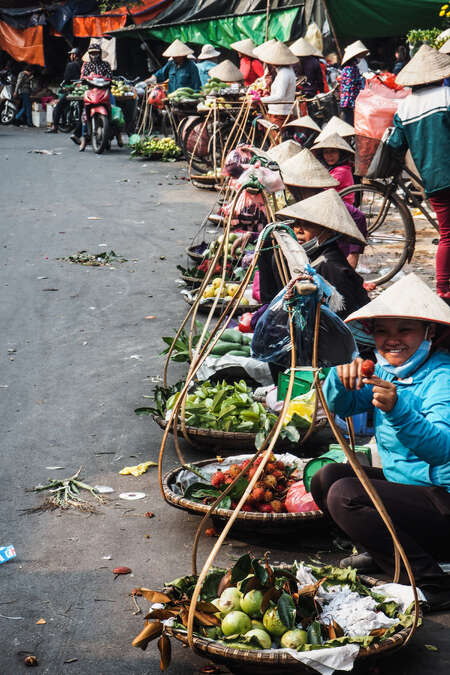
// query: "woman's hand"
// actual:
[[350, 374], [384, 393]]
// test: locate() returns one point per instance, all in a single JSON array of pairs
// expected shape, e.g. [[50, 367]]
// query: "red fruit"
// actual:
[[270, 467], [210, 532], [217, 479], [234, 470], [228, 480], [245, 464], [257, 494], [265, 508], [280, 488], [277, 473], [251, 472], [276, 506], [233, 505], [279, 465], [246, 507], [367, 368], [268, 496]]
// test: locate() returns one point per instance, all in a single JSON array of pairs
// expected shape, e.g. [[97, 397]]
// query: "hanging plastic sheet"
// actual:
[[23, 45]]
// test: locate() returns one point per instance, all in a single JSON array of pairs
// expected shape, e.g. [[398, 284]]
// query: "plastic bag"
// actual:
[[303, 406], [375, 107], [272, 341], [298, 500], [266, 178], [237, 161], [117, 117]]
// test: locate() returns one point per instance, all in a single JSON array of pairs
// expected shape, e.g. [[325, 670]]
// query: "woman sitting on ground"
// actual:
[[409, 395], [319, 222]]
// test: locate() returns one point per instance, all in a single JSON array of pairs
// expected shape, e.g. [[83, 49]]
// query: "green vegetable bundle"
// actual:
[[152, 147], [232, 342], [225, 407], [184, 94]]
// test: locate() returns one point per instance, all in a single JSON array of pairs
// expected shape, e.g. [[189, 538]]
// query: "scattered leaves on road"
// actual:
[[93, 259]]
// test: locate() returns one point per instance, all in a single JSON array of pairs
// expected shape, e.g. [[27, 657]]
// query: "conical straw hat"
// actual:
[[302, 47], [357, 48], [336, 126], [444, 35], [445, 49], [177, 48], [426, 66], [326, 209], [257, 49], [244, 47], [283, 151], [276, 53], [304, 170], [333, 141], [409, 298], [227, 72], [305, 122]]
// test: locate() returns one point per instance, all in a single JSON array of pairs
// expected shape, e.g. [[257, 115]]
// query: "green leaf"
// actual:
[[260, 572], [241, 569], [211, 583], [145, 411], [238, 488], [431, 648], [286, 610]]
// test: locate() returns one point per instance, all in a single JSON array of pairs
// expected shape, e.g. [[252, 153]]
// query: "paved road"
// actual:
[[77, 356]]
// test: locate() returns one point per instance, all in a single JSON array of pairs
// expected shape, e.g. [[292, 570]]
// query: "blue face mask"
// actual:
[[411, 365]]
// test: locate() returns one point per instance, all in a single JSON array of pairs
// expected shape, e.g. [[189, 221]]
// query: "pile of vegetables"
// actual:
[[213, 86], [152, 147], [233, 343], [277, 490], [257, 606], [228, 291], [184, 94], [225, 407], [120, 88]]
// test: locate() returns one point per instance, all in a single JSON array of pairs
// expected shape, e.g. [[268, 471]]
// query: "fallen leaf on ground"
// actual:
[[70, 660], [431, 648], [150, 317], [137, 470], [40, 622]]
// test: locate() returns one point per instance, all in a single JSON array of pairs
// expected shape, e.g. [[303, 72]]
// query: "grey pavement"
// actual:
[[77, 355]]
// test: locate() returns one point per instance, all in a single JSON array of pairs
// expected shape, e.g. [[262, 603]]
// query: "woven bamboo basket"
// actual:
[[193, 255], [261, 523], [228, 440], [259, 662]]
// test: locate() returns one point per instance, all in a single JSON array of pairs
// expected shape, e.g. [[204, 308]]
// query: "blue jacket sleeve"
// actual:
[[163, 73], [346, 403], [425, 432]]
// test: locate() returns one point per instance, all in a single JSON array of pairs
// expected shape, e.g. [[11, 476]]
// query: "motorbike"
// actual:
[[97, 103], [70, 117], [8, 108]]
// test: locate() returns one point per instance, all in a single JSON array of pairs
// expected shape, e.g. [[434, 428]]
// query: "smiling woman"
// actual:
[[409, 395]]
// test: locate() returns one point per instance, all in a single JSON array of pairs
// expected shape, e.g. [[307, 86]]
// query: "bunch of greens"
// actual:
[[181, 347], [152, 147], [427, 36]]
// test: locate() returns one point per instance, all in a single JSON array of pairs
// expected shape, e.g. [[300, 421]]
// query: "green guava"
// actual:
[[273, 624], [294, 639], [236, 623], [261, 636], [251, 603]]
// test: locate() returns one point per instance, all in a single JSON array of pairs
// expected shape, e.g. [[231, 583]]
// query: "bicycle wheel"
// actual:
[[391, 234], [194, 140]]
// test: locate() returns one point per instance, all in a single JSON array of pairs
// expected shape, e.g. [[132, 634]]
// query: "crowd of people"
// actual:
[[407, 325]]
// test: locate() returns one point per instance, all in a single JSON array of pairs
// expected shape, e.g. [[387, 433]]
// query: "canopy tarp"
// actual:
[[222, 32], [23, 45], [96, 25], [381, 18]]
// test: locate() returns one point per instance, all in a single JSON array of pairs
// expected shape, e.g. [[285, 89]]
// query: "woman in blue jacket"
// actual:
[[409, 395]]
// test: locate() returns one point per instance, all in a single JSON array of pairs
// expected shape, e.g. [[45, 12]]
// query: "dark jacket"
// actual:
[[310, 67], [72, 71], [329, 261]]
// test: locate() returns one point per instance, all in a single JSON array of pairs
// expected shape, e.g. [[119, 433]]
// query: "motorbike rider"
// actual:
[[96, 66], [72, 73]]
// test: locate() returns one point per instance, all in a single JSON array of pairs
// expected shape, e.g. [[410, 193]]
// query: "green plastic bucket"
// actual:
[[303, 380], [335, 455]]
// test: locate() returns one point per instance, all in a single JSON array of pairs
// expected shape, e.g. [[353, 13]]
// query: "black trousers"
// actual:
[[420, 514]]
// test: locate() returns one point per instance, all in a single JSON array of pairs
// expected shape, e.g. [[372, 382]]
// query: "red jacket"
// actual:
[[251, 69]]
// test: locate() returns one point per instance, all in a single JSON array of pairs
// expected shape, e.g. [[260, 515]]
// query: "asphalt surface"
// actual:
[[79, 352]]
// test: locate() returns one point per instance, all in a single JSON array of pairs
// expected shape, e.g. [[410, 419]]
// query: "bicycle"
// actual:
[[391, 232]]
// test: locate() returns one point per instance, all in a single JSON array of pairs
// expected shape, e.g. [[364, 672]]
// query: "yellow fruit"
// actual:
[[244, 301], [216, 282]]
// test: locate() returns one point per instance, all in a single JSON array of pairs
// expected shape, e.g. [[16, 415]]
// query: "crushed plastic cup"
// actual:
[[7, 553]]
